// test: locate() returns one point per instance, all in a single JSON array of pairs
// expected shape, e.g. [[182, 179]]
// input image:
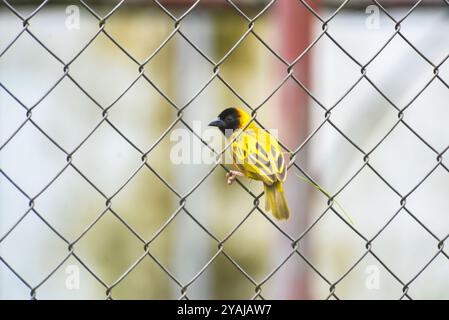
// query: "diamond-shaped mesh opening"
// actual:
[[33, 82], [93, 101]]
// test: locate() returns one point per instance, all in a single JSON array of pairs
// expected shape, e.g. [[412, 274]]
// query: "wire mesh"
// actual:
[[183, 199]]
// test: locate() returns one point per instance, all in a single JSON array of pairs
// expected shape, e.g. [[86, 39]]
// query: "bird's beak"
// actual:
[[217, 123]]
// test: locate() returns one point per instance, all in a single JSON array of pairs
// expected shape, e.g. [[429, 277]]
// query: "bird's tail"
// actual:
[[275, 201]]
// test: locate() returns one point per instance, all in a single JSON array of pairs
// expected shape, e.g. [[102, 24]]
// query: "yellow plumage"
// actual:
[[257, 155]]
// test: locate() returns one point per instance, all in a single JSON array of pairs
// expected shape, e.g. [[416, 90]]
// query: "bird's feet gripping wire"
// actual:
[[232, 175]]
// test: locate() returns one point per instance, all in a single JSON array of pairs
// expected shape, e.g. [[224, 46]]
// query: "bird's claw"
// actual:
[[232, 175]]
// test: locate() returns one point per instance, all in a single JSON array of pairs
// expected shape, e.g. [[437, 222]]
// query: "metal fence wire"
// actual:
[[295, 240]]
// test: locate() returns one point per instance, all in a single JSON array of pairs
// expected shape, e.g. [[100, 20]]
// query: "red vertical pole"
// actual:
[[295, 23]]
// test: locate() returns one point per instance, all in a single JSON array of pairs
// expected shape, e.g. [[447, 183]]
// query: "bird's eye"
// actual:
[[229, 119]]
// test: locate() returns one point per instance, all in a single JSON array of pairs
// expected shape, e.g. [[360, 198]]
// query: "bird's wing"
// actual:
[[258, 155]]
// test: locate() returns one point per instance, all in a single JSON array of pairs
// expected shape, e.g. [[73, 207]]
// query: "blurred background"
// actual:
[[108, 240]]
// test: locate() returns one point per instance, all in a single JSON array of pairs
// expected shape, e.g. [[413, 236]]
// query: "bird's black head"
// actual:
[[228, 120]]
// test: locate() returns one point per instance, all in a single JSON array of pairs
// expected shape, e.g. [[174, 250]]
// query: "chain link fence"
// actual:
[[295, 167]]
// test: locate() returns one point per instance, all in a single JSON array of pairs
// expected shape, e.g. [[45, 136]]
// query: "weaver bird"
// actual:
[[257, 155]]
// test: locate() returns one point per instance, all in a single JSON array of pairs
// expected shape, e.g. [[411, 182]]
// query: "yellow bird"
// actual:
[[257, 155]]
